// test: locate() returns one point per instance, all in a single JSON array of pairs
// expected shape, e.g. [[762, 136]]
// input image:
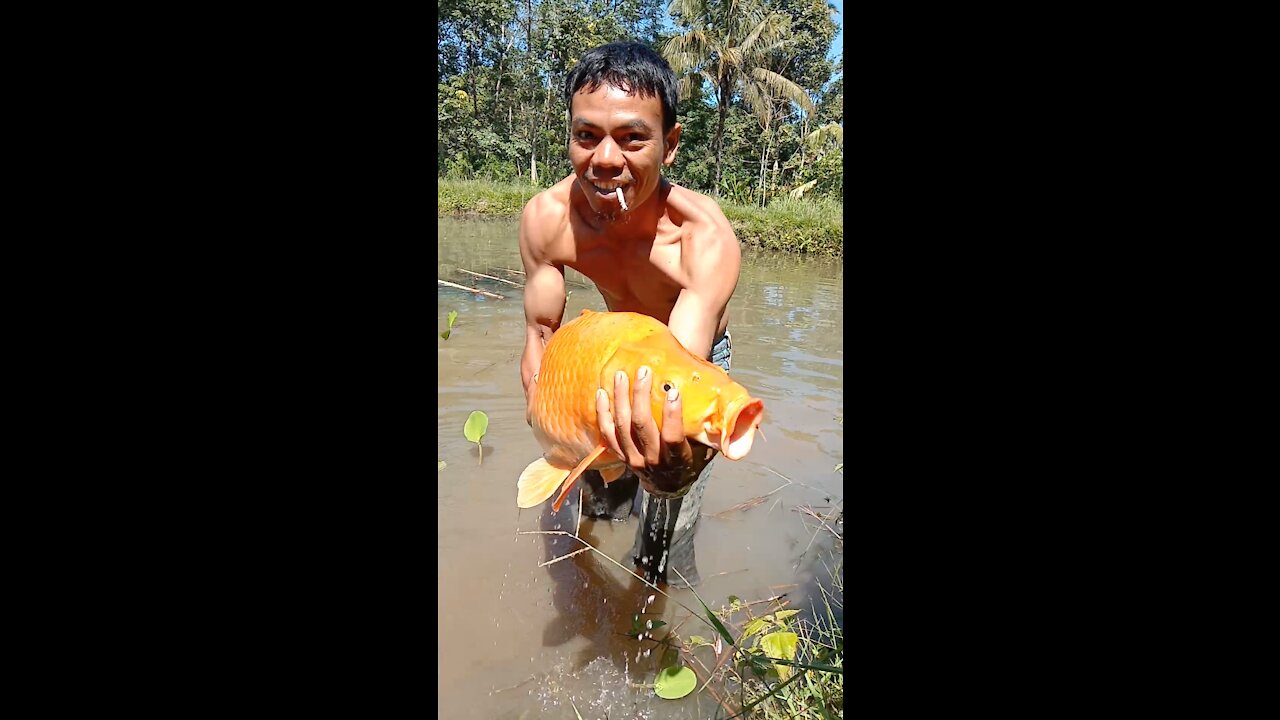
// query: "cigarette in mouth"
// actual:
[[621, 200]]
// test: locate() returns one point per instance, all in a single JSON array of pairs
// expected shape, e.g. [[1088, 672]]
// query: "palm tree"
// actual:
[[727, 44]]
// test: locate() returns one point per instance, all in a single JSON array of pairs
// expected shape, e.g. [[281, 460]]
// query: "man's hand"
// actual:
[[663, 460]]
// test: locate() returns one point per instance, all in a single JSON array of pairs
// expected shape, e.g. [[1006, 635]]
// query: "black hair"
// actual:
[[629, 66]]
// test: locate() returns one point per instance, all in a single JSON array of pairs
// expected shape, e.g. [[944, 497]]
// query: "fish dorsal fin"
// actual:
[[575, 474]]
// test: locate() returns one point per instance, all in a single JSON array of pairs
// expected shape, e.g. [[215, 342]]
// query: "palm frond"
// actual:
[[779, 86]]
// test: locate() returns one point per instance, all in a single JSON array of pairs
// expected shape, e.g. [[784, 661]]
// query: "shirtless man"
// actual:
[[666, 252]]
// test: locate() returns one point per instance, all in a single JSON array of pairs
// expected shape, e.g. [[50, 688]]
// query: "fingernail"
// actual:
[[601, 394], [672, 394], [643, 374], [619, 376]]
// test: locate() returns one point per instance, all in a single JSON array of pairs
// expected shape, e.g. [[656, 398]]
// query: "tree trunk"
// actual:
[[724, 110]]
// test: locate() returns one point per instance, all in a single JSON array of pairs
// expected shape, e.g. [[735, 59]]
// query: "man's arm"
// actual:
[[544, 294], [710, 260]]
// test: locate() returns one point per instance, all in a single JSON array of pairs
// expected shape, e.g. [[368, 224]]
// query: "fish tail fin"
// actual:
[[575, 474], [612, 473], [538, 482]]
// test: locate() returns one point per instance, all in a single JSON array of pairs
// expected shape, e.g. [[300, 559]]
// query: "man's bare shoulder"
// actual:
[[700, 218], [700, 212], [545, 215]]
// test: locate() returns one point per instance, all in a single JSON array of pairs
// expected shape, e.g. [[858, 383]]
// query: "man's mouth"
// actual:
[[608, 188]]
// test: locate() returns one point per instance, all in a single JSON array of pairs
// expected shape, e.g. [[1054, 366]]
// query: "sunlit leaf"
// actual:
[[453, 317], [699, 640], [440, 465], [755, 626], [475, 428], [781, 645], [839, 468], [784, 614], [674, 683]]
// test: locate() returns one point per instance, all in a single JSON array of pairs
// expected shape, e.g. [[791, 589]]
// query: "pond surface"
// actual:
[[521, 641]]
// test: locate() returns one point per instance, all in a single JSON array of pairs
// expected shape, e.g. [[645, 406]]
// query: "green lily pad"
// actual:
[[674, 683]]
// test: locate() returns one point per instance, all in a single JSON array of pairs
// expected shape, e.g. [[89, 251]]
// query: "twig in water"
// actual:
[[471, 289], [625, 569], [509, 282], [563, 557], [815, 537]]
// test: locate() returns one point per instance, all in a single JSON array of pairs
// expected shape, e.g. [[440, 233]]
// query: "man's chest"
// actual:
[[642, 278]]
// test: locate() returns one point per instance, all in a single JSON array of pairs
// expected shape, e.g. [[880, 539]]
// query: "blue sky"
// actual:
[[837, 45]]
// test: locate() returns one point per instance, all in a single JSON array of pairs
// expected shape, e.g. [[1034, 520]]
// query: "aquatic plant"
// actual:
[[474, 429], [453, 317]]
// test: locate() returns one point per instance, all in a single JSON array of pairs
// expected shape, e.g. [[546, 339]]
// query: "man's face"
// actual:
[[616, 140]]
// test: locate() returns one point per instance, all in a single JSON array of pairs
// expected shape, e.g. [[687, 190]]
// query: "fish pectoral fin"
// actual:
[[538, 482], [612, 473], [575, 474]]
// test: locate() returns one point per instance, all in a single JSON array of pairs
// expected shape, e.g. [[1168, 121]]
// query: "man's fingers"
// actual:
[[673, 428], [605, 420], [644, 428], [672, 417], [622, 419]]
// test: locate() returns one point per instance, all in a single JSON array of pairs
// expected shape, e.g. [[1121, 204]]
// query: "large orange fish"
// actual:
[[584, 355]]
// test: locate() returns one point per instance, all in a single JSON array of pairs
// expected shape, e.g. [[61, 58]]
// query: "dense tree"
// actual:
[[749, 128]]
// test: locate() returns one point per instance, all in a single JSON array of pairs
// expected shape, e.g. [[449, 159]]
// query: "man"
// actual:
[[661, 250]]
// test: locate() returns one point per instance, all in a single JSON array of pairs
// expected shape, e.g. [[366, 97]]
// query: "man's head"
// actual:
[[622, 124]]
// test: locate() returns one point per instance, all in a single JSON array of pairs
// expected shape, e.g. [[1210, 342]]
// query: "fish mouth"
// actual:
[[739, 429]]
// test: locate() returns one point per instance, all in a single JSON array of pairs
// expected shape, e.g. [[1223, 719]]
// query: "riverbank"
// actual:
[[809, 226]]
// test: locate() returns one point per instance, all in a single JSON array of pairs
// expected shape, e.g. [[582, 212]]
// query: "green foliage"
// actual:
[[502, 64], [484, 197], [453, 316], [474, 429], [810, 225], [788, 225]]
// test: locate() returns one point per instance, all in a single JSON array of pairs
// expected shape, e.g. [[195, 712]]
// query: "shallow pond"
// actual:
[[517, 640]]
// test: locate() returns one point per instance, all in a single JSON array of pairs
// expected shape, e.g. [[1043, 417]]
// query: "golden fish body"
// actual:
[[583, 356]]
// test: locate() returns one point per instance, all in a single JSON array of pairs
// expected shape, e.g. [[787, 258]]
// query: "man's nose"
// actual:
[[608, 155]]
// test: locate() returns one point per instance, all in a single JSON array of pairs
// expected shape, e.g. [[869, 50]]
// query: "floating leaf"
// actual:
[[657, 624], [839, 468], [440, 465], [699, 640], [781, 645], [675, 683]]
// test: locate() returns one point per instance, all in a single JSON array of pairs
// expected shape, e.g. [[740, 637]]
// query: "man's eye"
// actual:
[[585, 136]]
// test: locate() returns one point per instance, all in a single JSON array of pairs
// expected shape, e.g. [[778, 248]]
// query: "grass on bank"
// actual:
[[808, 225]]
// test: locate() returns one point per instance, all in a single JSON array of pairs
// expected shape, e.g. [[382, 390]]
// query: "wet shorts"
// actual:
[[722, 351]]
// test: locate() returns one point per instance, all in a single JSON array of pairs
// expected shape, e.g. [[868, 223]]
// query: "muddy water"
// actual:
[[521, 641]]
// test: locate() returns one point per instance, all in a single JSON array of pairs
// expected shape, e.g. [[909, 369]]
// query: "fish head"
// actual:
[[717, 411]]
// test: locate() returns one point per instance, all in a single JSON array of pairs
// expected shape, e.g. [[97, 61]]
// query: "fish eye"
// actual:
[[696, 377], [666, 387]]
